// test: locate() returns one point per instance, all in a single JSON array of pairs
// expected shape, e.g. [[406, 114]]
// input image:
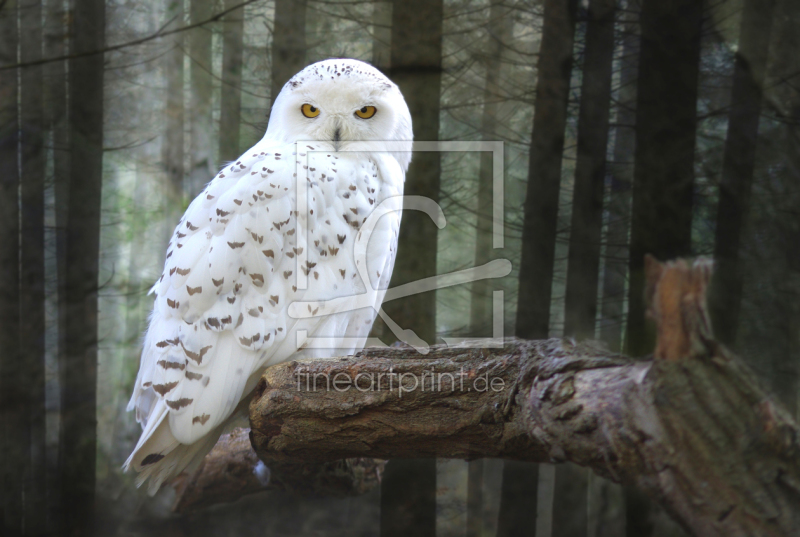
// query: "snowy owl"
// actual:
[[280, 225]]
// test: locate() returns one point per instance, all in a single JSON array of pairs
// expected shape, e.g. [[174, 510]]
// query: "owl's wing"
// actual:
[[231, 271]]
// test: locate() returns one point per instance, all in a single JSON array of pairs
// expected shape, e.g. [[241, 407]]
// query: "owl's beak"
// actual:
[[337, 137]]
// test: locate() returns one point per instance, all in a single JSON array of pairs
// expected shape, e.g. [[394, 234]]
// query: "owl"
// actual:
[[281, 225]]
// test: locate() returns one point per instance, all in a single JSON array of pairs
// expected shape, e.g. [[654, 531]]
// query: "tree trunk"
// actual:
[[233, 470], [382, 35], [544, 175], [539, 228], [499, 25], [621, 175], [690, 427], [231, 100], [32, 282], [570, 508], [408, 491], [202, 160], [78, 358], [172, 145], [12, 387], [417, 69], [666, 122], [288, 42], [587, 204], [55, 91], [738, 163]]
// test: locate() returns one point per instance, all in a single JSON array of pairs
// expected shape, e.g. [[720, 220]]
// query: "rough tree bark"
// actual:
[[689, 427]]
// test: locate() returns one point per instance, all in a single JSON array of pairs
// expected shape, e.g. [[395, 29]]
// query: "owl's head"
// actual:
[[342, 101]]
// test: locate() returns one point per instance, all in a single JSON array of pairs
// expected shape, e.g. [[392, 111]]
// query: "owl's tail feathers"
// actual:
[[159, 457]]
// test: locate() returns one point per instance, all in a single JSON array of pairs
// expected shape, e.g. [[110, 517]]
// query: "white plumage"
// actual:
[[221, 308]]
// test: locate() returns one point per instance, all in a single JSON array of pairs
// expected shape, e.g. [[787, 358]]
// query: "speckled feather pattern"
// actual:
[[221, 305]]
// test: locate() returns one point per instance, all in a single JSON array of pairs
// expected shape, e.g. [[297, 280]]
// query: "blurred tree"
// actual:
[[172, 144], [587, 204], [382, 35], [570, 508], [498, 27], [288, 42], [544, 176], [32, 281], [12, 386], [231, 100], [55, 100], [666, 123], [520, 481], [408, 490], [203, 162], [78, 357], [621, 179], [738, 164]]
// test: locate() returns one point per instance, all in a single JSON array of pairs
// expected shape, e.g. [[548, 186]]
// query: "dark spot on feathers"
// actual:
[[190, 226], [196, 356], [173, 304], [217, 283], [163, 389], [180, 403], [342, 272], [152, 459], [286, 274], [268, 253], [194, 290], [193, 376], [200, 419], [183, 272], [341, 238], [235, 245], [171, 365]]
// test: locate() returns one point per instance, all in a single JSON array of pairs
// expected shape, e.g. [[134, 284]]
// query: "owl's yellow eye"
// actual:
[[366, 112], [309, 110]]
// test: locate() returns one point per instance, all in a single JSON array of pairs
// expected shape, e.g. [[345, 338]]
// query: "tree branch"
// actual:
[[691, 427], [156, 35], [233, 470]]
